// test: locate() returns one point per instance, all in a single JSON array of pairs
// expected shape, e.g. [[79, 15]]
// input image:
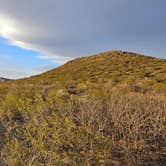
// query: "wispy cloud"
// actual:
[[62, 30], [12, 74], [17, 63]]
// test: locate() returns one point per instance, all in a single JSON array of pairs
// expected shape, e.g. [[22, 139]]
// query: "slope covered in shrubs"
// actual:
[[107, 109], [115, 69]]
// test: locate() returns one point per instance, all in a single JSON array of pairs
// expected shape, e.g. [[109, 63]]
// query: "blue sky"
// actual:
[[16, 62], [36, 35]]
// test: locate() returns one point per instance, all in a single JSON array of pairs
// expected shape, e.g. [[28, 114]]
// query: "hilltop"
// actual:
[[114, 69]]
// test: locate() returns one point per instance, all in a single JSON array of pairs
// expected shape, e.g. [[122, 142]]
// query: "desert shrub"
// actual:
[[105, 126], [134, 123]]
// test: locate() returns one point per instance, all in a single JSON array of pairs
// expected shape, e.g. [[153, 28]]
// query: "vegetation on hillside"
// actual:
[[115, 69], [107, 109]]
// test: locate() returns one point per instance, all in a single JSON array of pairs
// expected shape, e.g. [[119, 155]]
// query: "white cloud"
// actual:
[[60, 29], [64, 29], [58, 59], [12, 74], [9, 28]]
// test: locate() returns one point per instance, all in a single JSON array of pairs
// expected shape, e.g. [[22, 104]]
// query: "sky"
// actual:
[[38, 35]]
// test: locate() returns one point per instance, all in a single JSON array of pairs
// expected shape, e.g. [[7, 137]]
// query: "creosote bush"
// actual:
[[102, 128]]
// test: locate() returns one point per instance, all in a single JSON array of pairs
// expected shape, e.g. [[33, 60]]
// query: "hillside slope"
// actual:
[[106, 109], [112, 69]]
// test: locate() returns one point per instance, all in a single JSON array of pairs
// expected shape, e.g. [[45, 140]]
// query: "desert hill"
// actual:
[[105, 109], [112, 69]]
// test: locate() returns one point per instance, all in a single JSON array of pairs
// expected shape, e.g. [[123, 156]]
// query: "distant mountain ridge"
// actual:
[[2, 79]]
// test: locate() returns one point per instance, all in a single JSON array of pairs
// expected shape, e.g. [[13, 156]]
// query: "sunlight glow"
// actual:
[[7, 26]]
